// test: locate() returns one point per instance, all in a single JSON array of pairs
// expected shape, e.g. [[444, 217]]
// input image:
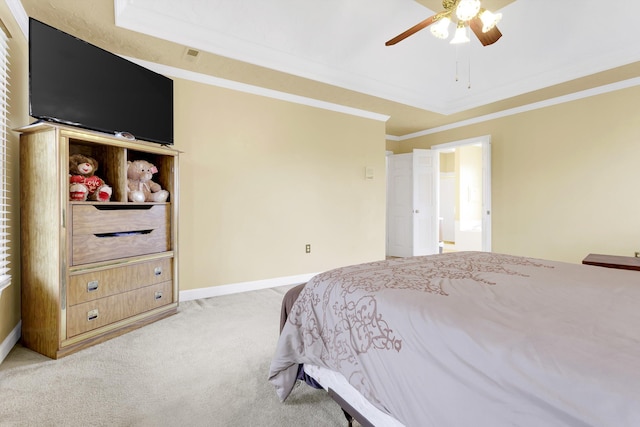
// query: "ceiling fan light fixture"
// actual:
[[461, 34], [489, 19], [441, 28], [468, 15], [467, 9]]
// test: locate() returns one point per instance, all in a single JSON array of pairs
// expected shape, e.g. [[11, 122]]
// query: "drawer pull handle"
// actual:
[[123, 233], [92, 286], [158, 295], [107, 207], [92, 315], [157, 271]]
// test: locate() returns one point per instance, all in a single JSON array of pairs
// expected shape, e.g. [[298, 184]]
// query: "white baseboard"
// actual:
[[235, 288], [11, 340]]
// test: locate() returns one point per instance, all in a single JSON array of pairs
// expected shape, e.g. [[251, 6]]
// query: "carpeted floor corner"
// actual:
[[205, 366]]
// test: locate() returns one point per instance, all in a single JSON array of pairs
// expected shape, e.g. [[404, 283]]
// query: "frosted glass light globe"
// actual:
[[441, 28], [467, 9]]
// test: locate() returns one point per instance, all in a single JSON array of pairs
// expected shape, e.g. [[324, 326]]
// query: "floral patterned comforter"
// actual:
[[474, 338]]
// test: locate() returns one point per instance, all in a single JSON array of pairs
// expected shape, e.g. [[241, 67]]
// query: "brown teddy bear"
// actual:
[[83, 183], [140, 187]]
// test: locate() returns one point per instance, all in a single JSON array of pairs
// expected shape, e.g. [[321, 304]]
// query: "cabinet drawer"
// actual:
[[101, 312], [99, 284], [104, 232]]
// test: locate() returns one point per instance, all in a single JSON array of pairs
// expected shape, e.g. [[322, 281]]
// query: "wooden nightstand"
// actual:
[[613, 261]]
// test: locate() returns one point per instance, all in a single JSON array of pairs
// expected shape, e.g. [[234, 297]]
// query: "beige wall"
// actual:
[[469, 185], [18, 116], [447, 162], [564, 178], [261, 178]]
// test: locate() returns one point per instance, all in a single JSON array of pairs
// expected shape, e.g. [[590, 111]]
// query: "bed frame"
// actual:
[[349, 411]]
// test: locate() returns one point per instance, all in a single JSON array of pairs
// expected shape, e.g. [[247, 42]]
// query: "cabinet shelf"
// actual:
[[92, 270]]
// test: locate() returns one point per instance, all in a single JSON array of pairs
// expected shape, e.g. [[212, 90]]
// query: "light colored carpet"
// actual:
[[205, 366]]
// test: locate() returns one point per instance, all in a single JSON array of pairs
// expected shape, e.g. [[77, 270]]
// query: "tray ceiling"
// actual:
[[334, 50]]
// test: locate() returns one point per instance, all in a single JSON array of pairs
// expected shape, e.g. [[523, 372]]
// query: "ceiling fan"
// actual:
[[465, 13]]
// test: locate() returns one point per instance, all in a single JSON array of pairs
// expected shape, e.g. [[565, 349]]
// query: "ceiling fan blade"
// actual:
[[411, 30], [490, 37]]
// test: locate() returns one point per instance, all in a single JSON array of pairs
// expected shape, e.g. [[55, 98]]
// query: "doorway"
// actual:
[[464, 199], [457, 181]]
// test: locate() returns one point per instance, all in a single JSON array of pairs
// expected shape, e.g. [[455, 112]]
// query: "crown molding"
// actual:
[[624, 84], [257, 90]]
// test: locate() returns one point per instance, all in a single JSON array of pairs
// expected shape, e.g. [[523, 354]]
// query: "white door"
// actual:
[[425, 203], [400, 205], [486, 194], [411, 204]]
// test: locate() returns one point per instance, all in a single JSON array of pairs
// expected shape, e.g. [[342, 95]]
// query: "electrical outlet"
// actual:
[[307, 249]]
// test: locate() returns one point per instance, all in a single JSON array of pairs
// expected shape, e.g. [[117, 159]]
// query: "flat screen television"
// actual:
[[76, 83]]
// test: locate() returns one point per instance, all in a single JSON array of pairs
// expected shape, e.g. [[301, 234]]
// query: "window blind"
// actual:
[[5, 276]]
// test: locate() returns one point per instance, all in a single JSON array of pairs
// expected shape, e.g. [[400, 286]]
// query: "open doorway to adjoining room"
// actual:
[[464, 196], [439, 200]]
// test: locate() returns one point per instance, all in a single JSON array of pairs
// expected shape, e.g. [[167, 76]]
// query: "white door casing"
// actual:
[[486, 193]]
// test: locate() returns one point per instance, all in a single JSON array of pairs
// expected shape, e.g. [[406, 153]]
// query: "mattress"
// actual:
[[338, 383]]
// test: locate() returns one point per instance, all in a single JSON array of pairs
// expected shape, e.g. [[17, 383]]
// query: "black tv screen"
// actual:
[[76, 83]]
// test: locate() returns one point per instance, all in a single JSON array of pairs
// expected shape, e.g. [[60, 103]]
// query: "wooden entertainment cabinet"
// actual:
[[92, 270]]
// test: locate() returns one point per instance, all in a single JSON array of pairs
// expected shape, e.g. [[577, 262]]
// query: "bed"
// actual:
[[469, 339]]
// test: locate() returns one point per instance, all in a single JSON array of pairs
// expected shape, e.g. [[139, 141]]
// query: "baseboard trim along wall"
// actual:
[[235, 288], [11, 340]]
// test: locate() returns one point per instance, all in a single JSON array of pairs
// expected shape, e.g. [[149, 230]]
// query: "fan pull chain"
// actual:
[[469, 60], [457, 76], [457, 63], [469, 81]]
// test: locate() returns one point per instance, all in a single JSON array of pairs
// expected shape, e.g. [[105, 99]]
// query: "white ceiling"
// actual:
[[333, 51], [341, 43]]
